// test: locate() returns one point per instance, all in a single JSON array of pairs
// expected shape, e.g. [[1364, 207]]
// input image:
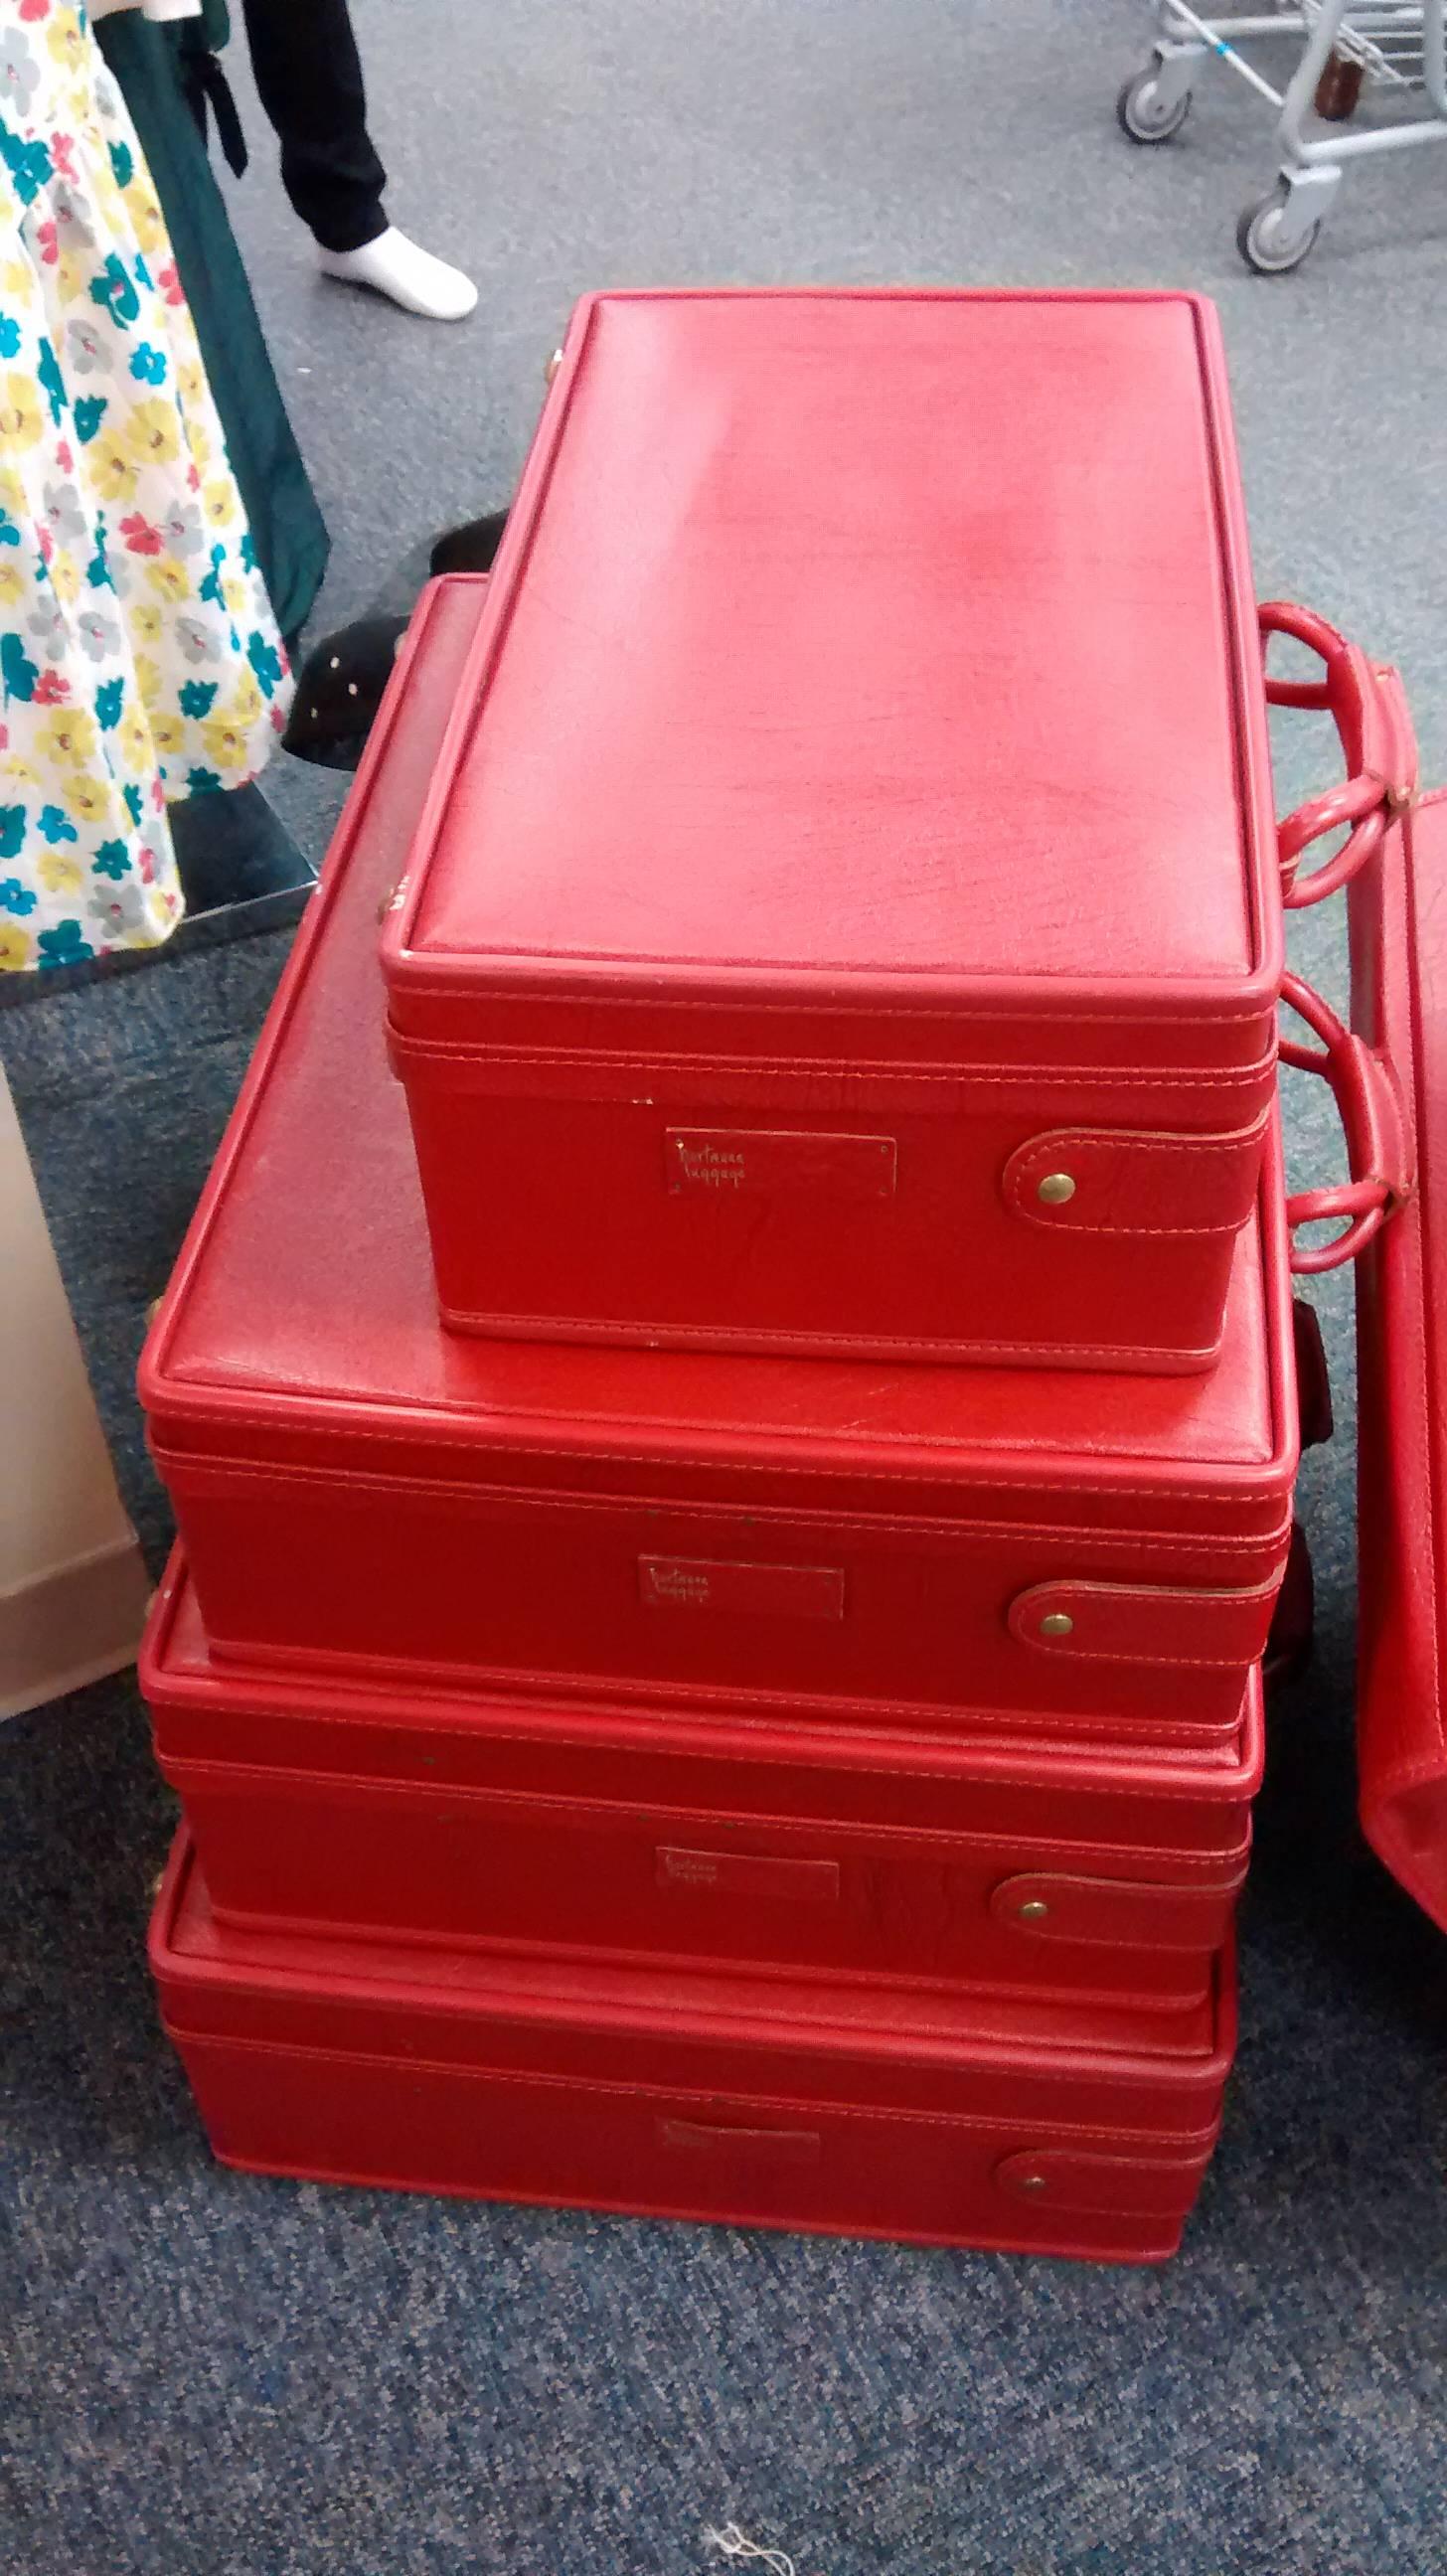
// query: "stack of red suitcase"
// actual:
[[753, 1713]]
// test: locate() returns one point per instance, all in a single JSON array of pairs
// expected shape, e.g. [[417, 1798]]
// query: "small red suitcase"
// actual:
[[959, 2119], [415, 1816], [846, 919], [1399, 1007], [357, 1488]]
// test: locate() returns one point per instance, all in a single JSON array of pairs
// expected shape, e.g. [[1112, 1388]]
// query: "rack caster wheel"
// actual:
[[1142, 112], [1267, 238]]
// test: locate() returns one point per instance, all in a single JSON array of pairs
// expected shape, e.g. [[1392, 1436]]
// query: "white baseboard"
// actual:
[[71, 1625]]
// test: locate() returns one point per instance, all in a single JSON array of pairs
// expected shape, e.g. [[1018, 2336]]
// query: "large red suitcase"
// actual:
[[1399, 1007], [846, 918], [961, 2118], [357, 1488], [416, 1815]]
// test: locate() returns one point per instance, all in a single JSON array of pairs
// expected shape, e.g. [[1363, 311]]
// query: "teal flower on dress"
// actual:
[[64, 946], [211, 586], [148, 366], [122, 163], [55, 825], [265, 662], [117, 293], [9, 335], [90, 411], [197, 697], [9, 533], [12, 831], [202, 782], [29, 166], [134, 803], [17, 672], [52, 382], [112, 859], [109, 699], [14, 897]]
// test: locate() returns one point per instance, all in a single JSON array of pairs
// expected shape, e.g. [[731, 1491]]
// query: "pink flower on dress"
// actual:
[[34, 8], [62, 148], [141, 537], [146, 862], [158, 796], [170, 284], [49, 241], [63, 456], [44, 540], [51, 689]]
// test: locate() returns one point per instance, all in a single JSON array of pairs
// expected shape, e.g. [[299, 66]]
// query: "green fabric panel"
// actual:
[[287, 527]]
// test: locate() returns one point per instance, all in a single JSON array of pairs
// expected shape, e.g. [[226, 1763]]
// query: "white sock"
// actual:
[[400, 268]]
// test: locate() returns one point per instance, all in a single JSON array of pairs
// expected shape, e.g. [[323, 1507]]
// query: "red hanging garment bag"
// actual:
[[1399, 1010]]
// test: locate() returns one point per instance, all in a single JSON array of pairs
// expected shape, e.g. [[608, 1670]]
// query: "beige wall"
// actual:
[[72, 1584]]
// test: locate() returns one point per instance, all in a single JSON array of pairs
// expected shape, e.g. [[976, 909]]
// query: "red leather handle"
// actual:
[[1366, 1096], [1366, 705]]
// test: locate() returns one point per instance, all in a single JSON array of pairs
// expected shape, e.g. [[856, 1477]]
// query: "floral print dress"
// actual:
[[139, 661]]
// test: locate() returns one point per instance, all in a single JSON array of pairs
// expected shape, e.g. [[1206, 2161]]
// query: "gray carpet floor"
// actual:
[[224, 2377]]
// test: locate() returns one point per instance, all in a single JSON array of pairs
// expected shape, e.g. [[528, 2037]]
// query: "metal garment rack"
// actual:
[[1374, 44]]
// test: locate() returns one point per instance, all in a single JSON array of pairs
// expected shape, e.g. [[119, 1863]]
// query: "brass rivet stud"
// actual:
[[1034, 1910], [551, 369], [1032, 2182], [1056, 1188], [1057, 1623]]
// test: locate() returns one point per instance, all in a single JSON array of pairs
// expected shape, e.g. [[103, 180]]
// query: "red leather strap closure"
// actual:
[[1103, 1180], [1140, 1623], [1118, 2186], [1045, 1905]]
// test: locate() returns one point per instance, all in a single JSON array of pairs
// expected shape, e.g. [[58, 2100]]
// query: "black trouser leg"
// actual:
[[309, 79]]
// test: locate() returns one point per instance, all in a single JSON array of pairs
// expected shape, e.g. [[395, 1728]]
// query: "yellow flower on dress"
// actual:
[[15, 767], [65, 39], [12, 586], [65, 577], [168, 578], [145, 215], [15, 948], [22, 420], [218, 503], [145, 623], [132, 739], [72, 276], [225, 744], [112, 467], [246, 702], [89, 800], [153, 431], [198, 440], [148, 681], [59, 874], [190, 382], [234, 592], [68, 737], [168, 731], [16, 279]]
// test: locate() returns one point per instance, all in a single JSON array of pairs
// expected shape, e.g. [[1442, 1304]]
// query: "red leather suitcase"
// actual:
[[414, 1815], [846, 918], [358, 1489], [958, 2119], [1399, 1008]]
